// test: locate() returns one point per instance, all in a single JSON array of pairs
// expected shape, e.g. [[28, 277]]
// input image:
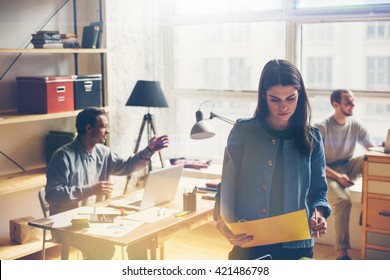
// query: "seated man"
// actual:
[[79, 172], [340, 133]]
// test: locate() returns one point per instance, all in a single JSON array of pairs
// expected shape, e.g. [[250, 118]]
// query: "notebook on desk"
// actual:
[[386, 148], [160, 187]]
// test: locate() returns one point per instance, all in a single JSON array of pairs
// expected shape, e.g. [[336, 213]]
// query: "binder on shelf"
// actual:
[[56, 139], [90, 36], [100, 40]]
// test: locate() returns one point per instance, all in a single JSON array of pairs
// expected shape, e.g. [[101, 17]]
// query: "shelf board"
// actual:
[[66, 50], [15, 117], [21, 181], [11, 118]]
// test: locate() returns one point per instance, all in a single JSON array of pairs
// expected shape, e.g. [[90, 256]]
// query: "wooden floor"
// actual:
[[203, 243]]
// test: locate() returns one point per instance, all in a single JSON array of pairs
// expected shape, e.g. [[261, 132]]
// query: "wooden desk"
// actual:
[[376, 207], [157, 233]]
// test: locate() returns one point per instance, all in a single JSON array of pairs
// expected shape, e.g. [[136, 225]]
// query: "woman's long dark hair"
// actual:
[[284, 73]]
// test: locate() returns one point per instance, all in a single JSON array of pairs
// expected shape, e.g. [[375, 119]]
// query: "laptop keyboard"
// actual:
[[377, 149]]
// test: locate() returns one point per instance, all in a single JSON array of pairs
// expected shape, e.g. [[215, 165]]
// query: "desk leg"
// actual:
[[153, 248], [161, 252], [65, 247]]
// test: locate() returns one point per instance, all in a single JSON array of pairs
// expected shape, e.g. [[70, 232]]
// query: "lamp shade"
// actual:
[[147, 94], [202, 130]]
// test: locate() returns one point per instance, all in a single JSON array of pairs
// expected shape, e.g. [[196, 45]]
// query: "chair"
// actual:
[[45, 211]]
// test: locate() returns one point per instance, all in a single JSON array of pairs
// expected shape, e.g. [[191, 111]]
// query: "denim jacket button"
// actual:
[[269, 162], [264, 187], [273, 141]]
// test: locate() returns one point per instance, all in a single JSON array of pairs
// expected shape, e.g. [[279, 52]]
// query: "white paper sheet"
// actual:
[[119, 228], [152, 215]]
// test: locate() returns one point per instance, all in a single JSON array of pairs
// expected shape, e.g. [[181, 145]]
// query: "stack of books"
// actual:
[[70, 41], [211, 186], [47, 40]]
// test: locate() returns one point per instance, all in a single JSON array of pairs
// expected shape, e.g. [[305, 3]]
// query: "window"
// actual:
[[378, 73], [319, 71], [239, 71], [344, 58], [335, 3], [378, 30], [215, 48], [204, 7], [218, 51]]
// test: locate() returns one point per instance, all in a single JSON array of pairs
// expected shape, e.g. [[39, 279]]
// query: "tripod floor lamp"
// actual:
[[147, 94]]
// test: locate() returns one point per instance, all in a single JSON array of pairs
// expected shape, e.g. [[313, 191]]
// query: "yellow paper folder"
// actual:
[[283, 228]]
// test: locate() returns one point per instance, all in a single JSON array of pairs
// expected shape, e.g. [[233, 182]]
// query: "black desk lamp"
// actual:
[[202, 128], [147, 94]]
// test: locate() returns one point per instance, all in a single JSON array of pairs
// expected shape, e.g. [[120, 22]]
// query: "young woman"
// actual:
[[279, 165]]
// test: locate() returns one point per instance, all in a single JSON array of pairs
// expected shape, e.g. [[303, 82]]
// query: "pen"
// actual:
[[183, 213], [315, 217]]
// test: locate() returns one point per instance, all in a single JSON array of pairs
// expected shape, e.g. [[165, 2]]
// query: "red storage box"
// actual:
[[42, 95]]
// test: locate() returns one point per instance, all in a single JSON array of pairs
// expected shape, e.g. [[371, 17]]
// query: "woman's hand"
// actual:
[[318, 224], [237, 240]]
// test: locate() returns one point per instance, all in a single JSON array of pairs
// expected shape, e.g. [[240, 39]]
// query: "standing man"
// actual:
[[79, 172], [340, 133]]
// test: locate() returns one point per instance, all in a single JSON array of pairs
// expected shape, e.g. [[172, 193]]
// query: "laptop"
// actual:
[[386, 148], [160, 187]]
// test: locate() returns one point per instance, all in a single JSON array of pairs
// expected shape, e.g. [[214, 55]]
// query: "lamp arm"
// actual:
[[212, 115]]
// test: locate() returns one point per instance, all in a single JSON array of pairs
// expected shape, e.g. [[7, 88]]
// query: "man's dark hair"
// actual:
[[87, 116], [336, 95]]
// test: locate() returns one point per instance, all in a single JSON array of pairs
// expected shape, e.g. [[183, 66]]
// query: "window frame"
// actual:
[[294, 19]]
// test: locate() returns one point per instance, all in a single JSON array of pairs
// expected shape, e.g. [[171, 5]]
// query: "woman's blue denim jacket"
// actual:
[[253, 152]]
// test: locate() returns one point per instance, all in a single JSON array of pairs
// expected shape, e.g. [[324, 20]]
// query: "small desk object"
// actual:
[[376, 207], [156, 232]]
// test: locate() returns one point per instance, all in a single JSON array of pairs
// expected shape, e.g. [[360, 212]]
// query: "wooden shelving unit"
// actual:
[[10, 250], [46, 51], [22, 181], [13, 118], [33, 179]]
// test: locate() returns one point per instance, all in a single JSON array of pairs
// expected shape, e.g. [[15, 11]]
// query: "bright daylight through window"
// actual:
[[217, 54]]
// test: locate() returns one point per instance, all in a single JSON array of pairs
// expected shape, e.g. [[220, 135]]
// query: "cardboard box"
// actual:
[[45, 94], [87, 91], [21, 232]]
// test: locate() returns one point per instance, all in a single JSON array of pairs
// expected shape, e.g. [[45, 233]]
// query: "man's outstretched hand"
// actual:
[[158, 143]]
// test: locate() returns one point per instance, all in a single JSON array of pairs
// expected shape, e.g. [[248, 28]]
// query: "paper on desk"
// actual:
[[153, 214], [283, 228], [97, 210], [117, 229]]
